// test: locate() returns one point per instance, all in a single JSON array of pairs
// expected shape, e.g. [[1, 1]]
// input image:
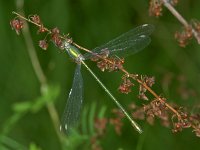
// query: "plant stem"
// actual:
[[152, 92], [37, 68], [180, 18]]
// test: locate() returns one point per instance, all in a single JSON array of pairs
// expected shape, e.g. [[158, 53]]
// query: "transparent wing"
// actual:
[[127, 43], [74, 102]]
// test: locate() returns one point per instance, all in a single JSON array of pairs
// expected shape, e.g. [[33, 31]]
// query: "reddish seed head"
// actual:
[[143, 96], [126, 85], [43, 44], [196, 24], [56, 38], [174, 130], [41, 29], [104, 53], [198, 28], [184, 116], [150, 120], [188, 32], [150, 81], [100, 125], [177, 125], [184, 36], [102, 65], [174, 2], [36, 19], [16, 25], [155, 8], [55, 31], [117, 124]]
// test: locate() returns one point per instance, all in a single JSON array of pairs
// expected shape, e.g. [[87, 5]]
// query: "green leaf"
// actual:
[[49, 94], [33, 146], [10, 143], [22, 106], [92, 118], [102, 112], [75, 140]]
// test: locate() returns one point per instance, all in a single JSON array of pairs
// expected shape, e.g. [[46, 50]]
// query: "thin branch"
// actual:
[[37, 69], [180, 18]]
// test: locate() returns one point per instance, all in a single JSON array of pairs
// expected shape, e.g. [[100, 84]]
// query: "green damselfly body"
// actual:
[[122, 46]]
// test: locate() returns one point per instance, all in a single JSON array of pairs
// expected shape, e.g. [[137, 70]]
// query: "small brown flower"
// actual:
[[36, 19], [150, 81], [42, 29], [138, 114], [150, 120], [155, 8], [100, 125], [142, 96], [184, 36], [125, 86], [174, 2], [43, 44], [55, 37], [117, 123], [197, 131], [196, 24], [55, 31], [102, 65], [16, 25]]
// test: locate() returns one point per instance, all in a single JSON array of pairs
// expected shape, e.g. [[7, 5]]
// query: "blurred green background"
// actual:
[[25, 112]]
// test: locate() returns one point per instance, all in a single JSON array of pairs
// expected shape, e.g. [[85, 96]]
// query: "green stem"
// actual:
[[38, 70]]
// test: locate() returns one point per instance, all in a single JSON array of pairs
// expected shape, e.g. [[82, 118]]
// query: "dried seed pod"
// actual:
[[43, 44], [56, 38], [184, 36], [117, 123], [138, 114], [36, 19], [103, 65], [41, 29], [150, 81], [55, 31], [155, 8], [142, 96], [174, 2], [196, 24], [125, 86], [17, 25], [100, 125]]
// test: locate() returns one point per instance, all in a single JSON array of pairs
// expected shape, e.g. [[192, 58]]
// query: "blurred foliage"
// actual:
[[24, 121]]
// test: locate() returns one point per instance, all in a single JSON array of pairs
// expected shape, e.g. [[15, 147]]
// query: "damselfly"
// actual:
[[122, 46]]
